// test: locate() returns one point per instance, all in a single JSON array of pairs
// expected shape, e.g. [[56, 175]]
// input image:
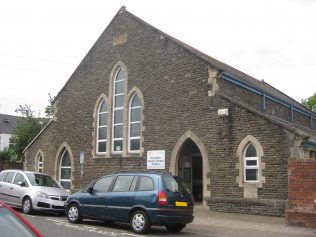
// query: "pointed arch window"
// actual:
[[118, 111], [65, 170], [251, 164], [102, 128], [134, 124], [40, 163]]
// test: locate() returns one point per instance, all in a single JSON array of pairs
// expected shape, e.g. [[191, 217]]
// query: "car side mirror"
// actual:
[[21, 183], [90, 190]]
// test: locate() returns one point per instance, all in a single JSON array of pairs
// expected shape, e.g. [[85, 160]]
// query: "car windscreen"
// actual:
[[175, 184], [11, 225], [42, 180]]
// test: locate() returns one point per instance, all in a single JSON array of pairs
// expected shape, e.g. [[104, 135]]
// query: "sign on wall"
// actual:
[[156, 159]]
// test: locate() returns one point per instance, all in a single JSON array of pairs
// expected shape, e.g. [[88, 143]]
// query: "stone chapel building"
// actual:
[[139, 90]]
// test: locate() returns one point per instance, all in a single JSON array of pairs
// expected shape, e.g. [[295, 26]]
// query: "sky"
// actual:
[[42, 42]]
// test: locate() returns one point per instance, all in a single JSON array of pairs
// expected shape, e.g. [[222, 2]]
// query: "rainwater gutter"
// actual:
[[228, 77]]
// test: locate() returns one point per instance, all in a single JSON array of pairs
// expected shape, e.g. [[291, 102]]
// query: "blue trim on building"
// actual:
[[236, 81], [309, 145]]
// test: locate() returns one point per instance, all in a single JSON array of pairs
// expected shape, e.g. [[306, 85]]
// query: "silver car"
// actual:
[[32, 191]]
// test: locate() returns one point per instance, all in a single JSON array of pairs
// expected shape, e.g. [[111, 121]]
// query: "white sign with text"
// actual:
[[156, 160]]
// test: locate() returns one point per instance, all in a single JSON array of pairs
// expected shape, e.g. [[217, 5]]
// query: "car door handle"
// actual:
[[11, 188]]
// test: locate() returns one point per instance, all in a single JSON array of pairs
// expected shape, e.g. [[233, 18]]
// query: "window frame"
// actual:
[[130, 123], [103, 126], [65, 167], [251, 167], [40, 163], [123, 176], [116, 109]]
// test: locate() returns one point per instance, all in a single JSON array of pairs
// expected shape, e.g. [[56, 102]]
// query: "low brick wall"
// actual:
[[302, 193], [10, 165], [267, 207]]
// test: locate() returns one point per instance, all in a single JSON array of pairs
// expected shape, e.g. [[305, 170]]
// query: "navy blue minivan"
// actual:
[[141, 199]]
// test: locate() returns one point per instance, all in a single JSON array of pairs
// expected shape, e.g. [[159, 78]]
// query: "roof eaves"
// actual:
[[37, 136], [267, 117]]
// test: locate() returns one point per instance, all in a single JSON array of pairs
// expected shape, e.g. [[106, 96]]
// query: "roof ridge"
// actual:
[[221, 66]]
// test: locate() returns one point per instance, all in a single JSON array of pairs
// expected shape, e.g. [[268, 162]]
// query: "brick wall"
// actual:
[[10, 165], [302, 193]]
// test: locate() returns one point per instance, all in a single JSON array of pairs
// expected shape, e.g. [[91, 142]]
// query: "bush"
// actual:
[[5, 155]]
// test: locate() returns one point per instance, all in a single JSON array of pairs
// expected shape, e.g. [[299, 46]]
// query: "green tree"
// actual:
[[49, 110], [25, 131], [5, 155], [310, 102]]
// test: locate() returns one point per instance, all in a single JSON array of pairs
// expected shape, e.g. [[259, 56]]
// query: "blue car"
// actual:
[[141, 199]]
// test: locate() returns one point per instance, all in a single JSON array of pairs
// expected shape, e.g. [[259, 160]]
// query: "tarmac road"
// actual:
[[205, 223]]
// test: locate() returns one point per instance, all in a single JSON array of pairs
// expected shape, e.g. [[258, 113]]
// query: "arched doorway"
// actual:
[[190, 168]]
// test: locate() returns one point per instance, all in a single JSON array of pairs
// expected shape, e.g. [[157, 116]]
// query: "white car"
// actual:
[[32, 191]]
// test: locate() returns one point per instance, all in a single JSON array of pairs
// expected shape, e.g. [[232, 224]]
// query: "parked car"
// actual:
[[32, 191], [141, 199], [13, 224]]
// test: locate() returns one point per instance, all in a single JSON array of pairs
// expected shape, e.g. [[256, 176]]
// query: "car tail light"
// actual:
[[162, 198]]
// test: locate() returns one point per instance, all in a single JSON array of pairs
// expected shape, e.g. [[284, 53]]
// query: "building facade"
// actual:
[[140, 93], [7, 126]]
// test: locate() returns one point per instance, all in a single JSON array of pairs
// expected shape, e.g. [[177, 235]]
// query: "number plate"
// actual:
[[181, 204]]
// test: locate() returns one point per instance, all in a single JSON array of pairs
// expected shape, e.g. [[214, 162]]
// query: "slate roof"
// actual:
[[223, 67], [8, 123]]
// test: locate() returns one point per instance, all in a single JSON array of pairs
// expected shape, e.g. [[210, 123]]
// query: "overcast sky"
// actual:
[[42, 42]]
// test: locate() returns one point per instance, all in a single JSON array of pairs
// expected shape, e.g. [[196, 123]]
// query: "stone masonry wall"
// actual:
[[173, 82]]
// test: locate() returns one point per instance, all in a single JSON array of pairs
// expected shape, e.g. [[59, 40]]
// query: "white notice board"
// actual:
[[156, 159]]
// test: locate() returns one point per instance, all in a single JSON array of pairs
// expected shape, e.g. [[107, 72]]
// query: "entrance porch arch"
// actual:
[[174, 162]]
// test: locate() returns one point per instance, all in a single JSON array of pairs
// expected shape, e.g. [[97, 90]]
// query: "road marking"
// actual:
[[87, 228]]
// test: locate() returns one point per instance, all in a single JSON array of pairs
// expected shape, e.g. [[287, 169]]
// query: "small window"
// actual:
[[40, 163], [251, 166], [123, 183], [135, 124], [102, 185], [9, 177], [102, 128], [146, 184], [18, 178]]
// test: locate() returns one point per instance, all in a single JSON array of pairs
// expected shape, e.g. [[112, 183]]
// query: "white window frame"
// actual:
[[65, 167], [115, 109], [103, 126], [135, 122], [40, 163], [251, 167]]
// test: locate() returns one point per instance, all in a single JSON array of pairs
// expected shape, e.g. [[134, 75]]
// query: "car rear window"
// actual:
[[9, 177], [146, 184], [175, 184], [2, 176]]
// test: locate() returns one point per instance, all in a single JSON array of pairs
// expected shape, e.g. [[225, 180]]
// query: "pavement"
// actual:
[[231, 224]]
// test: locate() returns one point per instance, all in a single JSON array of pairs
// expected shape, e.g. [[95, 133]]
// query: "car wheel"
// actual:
[[139, 222], [73, 213], [175, 228], [27, 206]]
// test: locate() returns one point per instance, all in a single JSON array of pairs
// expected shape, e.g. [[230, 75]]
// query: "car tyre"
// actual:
[[175, 228], [139, 222], [27, 206], [74, 214]]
